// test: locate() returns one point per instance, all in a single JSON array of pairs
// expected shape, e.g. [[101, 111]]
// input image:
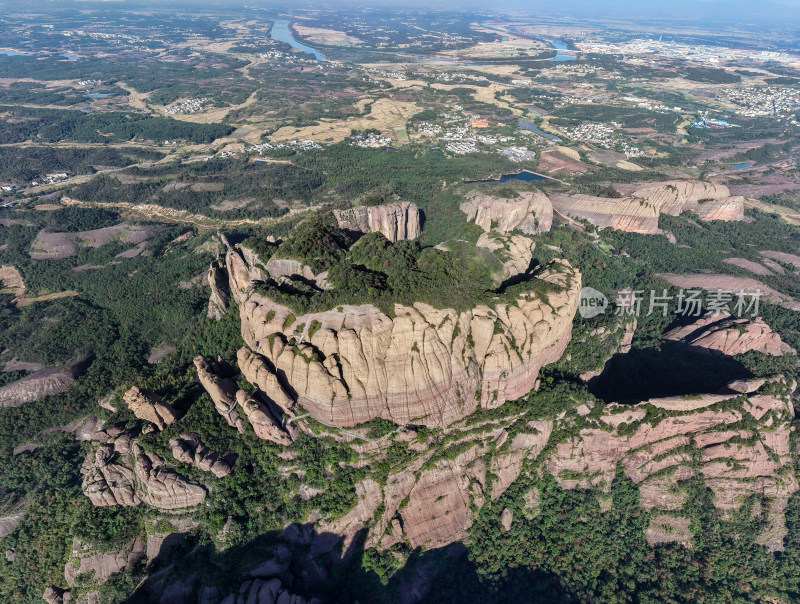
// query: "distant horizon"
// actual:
[[740, 13]]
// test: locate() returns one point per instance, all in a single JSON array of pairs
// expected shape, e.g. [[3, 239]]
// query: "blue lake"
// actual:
[[524, 176], [561, 56], [534, 128], [98, 96], [282, 33], [741, 166]]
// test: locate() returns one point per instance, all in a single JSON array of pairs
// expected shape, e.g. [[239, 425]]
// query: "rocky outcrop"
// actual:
[[738, 445], [36, 386], [264, 424], [279, 268], [189, 449], [222, 391], [530, 212], [162, 487], [108, 477], [396, 221], [86, 560], [638, 212], [220, 298], [12, 516], [514, 251], [119, 472], [424, 365], [726, 335], [55, 595], [148, 407]]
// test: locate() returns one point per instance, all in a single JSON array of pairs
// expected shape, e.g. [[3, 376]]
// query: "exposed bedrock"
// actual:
[[530, 212], [396, 221], [737, 443], [424, 365], [638, 211], [118, 472], [222, 391], [724, 334]]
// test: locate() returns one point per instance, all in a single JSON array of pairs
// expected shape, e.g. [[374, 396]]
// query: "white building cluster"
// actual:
[[370, 141], [759, 101], [50, 179], [187, 106]]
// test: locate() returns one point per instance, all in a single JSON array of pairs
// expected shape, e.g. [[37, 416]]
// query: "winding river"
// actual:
[[281, 32]]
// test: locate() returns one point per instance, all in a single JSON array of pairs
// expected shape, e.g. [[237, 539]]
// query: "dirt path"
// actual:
[[135, 99]]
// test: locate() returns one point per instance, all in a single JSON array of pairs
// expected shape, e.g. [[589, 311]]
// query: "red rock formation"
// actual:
[[118, 472], [729, 336], [733, 462], [719, 282], [638, 212], [264, 423], [101, 564], [530, 212], [425, 365], [148, 406], [220, 297], [396, 221], [222, 392]]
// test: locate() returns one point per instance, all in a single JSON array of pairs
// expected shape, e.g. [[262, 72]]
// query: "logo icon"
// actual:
[[592, 303]]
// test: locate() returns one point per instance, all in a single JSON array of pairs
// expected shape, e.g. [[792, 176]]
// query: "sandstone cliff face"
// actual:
[[264, 424], [425, 365], [531, 212], [148, 406], [638, 211], [119, 472], [726, 335], [736, 442], [222, 391], [516, 252], [396, 221], [220, 299]]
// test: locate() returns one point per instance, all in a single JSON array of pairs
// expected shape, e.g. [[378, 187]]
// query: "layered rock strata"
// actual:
[[119, 472], [638, 212], [738, 443], [424, 365], [726, 335], [530, 212], [396, 221]]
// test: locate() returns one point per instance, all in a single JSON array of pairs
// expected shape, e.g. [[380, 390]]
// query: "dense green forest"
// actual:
[[375, 271], [54, 125]]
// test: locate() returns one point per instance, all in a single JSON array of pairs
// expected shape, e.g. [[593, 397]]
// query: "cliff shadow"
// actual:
[[674, 369], [316, 565]]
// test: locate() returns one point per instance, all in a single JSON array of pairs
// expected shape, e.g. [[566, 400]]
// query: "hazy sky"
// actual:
[[782, 13]]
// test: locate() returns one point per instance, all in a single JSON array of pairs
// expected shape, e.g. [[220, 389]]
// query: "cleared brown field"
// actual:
[[385, 114]]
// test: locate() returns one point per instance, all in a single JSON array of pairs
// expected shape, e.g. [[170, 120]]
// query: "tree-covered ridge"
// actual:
[[376, 271]]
